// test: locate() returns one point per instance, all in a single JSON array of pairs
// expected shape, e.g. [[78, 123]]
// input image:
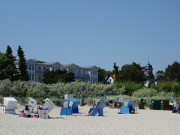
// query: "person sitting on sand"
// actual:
[[177, 106], [110, 103], [90, 113], [131, 109], [23, 114]]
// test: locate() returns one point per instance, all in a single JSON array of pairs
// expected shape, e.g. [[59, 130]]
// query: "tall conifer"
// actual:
[[10, 70], [23, 75]]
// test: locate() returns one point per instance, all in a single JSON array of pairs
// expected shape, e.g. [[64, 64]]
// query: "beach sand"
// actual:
[[146, 122]]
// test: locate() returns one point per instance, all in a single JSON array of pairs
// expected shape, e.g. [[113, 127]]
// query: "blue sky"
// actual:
[[93, 32]]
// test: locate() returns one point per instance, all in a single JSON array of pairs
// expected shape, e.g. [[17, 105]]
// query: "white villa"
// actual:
[[84, 74]]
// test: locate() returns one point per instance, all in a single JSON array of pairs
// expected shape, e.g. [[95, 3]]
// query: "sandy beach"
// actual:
[[146, 122]]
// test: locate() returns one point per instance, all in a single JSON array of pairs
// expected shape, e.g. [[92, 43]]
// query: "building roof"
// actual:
[[52, 63], [71, 65], [113, 76], [107, 77], [34, 61], [148, 66]]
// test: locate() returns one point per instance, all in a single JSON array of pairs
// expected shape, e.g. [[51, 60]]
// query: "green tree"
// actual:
[[160, 75], [116, 72], [132, 73], [7, 66], [23, 75], [2, 66], [172, 72], [102, 73], [50, 77]]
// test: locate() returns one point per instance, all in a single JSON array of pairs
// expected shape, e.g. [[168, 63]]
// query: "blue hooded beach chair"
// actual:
[[125, 108], [69, 106], [98, 107], [174, 102]]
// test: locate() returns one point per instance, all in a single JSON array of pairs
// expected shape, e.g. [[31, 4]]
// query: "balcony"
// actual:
[[82, 76]]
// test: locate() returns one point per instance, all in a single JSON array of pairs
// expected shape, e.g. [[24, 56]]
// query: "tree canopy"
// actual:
[[132, 73], [102, 73], [116, 72], [7, 65], [172, 72], [50, 77], [23, 74], [160, 75]]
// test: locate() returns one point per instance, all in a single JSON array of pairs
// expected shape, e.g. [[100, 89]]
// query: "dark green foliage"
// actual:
[[2, 66], [2, 63], [129, 87], [116, 72], [168, 87], [5, 88], [131, 73], [23, 74], [160, 75], [50, 77], [7, 65], [172, 72], [102, 73], [56, 92], [38, 61]]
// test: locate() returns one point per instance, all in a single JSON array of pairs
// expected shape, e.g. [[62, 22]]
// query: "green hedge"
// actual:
[[168, 87], [56, 92], [40, 90], [129, 87]]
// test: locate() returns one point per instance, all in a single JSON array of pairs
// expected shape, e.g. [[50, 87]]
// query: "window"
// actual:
[[32, 67], [39, 68], [29, 67], [29, 76], [39, 78], [32, 77]]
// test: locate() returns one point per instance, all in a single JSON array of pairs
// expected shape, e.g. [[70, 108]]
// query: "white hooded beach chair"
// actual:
[[10, 105], [32, 103], [30, 106], [48, 105], [119, 102], [47, 108]]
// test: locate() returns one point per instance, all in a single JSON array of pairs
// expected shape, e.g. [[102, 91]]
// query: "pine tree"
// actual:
[[22, 65], [116, 72], [10, 70], [2, 65]]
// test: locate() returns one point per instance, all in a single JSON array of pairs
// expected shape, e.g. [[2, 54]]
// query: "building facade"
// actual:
[[83, 74]]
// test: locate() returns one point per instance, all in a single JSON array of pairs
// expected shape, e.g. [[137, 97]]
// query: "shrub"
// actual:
[[39, 91], [5, 88], [56, 101], [19, 89], [129, 87], [145, 92], [1, 99], [169, 87]]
